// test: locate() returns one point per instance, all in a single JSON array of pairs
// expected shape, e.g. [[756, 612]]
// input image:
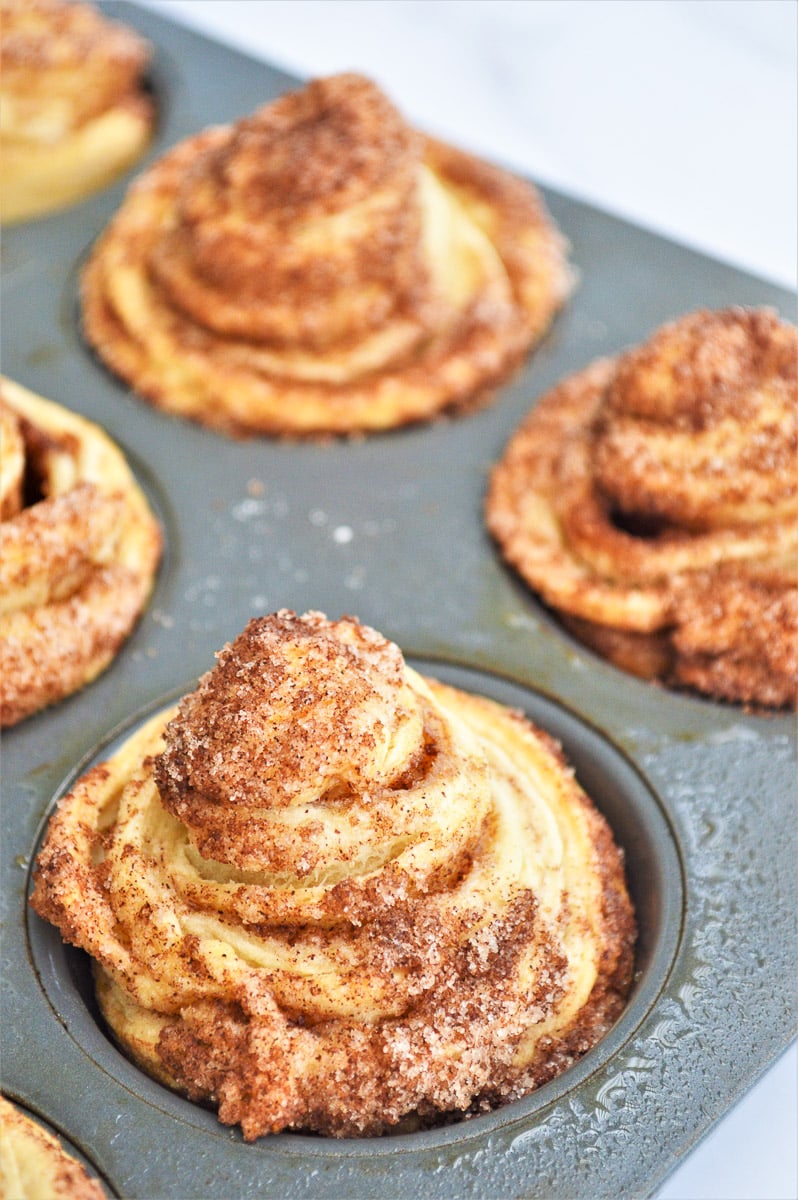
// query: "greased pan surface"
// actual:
[[390, 528]]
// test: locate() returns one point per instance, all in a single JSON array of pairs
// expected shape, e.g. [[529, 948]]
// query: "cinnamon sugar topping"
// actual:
[[78, 552], [321, 267], [653, 502], [329, 894], [75, 110]]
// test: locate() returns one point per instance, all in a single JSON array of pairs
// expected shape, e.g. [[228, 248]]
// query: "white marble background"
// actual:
[[679, 115]]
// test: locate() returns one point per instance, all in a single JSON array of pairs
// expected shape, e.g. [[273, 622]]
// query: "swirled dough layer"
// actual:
[[320, 267], [35, 1166], [652, 501], [79, 548], [73, 114], [326, 893]]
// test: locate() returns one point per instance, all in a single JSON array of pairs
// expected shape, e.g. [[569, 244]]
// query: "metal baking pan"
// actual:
[[700, 795]]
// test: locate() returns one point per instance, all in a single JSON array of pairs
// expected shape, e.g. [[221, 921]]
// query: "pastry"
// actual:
[[79, 549], [652, 501], [320, 267], [34, 1165], [328, 894], [73, 113]]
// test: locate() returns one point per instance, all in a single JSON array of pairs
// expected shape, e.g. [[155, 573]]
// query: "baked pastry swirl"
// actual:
[[79, 548], [73, 114], [35, 1166], [652, 501], [320, 267], [326, 893]]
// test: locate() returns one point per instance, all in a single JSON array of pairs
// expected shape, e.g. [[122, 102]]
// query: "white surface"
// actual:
[[677, 114]]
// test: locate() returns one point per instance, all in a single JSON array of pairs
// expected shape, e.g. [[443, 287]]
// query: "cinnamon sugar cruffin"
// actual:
[[652, 501], [325, 893], [35, 1166], [77, 556], [320, 267], [74, 112]]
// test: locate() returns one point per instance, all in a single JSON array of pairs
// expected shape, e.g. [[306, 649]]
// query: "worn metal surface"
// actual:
[[701, 795]]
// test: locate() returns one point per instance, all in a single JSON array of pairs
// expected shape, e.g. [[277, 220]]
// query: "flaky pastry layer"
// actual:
[[652, 501], [73, 114], [34, 1164], [79, 548], [320, 267], [326, 893]]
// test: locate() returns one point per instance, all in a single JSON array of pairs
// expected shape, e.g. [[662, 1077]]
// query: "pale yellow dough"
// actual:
[[35, 1166]]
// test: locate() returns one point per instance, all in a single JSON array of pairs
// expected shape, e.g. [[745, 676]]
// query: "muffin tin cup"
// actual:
[[655, 878], [700, 795]]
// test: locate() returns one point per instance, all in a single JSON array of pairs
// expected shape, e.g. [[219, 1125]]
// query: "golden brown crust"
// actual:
[[73, 113], [34, 1165], [320, 267], [652, 500], [431, 918], [78, 553]]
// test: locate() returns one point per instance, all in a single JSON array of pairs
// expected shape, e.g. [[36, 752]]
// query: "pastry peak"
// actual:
[[297, 707], [52, 34], [703, 366], [722, 381], [320, 147]]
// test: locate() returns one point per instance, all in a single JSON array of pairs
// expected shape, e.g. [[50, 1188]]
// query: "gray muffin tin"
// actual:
[[701, 795]]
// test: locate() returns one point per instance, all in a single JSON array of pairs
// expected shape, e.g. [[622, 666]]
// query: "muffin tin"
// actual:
[[700, 795]]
